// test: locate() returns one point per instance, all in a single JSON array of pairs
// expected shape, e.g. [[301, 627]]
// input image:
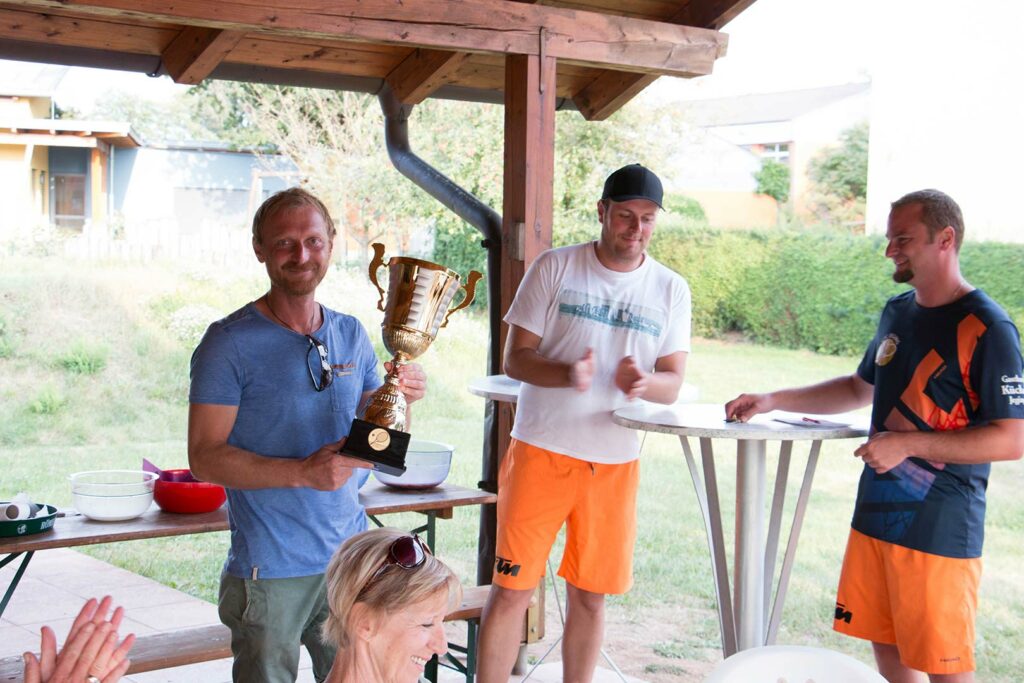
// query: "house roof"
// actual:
[[19, 79], [604, 52], [766, 107], [82, 133]]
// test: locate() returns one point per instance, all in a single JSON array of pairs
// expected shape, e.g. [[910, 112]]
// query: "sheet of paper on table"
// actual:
[[811, 422]]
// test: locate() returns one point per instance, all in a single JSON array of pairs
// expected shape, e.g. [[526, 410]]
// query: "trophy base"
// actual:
[[384, 448]]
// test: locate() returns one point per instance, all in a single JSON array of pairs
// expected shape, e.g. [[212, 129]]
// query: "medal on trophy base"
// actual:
[[418, 296]]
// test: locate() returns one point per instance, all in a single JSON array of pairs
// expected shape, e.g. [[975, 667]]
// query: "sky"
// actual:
[[787, 45], [773, 45]]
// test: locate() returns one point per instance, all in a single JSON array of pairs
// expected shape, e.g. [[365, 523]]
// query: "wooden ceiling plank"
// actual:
[[349, 60], [197, 51], [423, 72], [466, 25], [712, 14], [610, 91], [57, 29], [485, 75]]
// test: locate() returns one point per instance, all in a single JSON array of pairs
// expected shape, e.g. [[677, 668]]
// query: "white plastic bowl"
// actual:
[[112, 495], [427, 464]]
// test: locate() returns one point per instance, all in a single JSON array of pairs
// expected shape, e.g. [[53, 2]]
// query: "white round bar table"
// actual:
[[504, 388], [744, 617]]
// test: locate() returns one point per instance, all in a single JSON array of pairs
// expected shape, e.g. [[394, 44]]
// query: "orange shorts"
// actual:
[[538, 491], [923, 604]]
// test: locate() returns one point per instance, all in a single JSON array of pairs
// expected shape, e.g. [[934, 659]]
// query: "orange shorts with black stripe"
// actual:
[[924, 604], [538, 492]]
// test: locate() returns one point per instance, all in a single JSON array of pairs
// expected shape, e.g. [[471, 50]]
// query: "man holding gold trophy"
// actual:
[[592, 326], [275, 387]]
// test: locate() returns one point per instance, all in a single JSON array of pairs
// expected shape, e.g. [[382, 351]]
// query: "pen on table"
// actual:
[[811, 419]]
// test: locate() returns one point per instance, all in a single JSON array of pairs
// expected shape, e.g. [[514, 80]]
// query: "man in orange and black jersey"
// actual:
[[945, 380]]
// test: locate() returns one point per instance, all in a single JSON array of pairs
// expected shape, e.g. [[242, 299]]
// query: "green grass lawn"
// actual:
[[94, 375]]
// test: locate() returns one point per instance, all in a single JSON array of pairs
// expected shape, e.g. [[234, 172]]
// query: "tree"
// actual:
[[839, 177], [335, 138], [773, 180], [153, 120]]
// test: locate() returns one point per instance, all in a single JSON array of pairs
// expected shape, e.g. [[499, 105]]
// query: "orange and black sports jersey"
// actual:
[[937, 369]]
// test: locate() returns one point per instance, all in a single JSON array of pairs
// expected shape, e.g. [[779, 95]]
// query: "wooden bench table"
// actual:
[[189, 646]]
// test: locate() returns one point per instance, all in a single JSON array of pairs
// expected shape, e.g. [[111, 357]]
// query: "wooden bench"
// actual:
[[206, 643], [157, 651]]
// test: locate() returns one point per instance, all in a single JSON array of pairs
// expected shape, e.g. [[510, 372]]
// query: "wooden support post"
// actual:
[[529, 176], [525, 228], [98, 182]]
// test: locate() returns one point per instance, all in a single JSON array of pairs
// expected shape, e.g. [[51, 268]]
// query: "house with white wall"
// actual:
[[102, 185], [790, 127], [950, 119]]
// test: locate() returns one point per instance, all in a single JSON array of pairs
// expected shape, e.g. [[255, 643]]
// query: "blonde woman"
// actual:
[[388, 596]]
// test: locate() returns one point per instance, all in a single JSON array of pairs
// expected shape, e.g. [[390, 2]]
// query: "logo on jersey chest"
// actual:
[[886, 350]]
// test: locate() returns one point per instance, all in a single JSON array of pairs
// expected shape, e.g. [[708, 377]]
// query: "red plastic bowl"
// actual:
[[179, 491]]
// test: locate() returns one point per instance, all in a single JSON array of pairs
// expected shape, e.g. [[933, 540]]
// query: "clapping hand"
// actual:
[[581, 373], [630, 379], [91, 653]]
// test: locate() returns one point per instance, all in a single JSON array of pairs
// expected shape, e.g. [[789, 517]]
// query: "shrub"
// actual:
[[820, 291], [48, 401], [84, 357], [714, 264], [996, 268], [773, 180], [685, 207]]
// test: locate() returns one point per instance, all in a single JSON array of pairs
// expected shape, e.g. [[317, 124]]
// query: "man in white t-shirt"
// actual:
[[592, 327]]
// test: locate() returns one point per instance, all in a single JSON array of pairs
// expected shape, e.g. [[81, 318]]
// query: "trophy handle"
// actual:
[[375, 263], [470, 288]]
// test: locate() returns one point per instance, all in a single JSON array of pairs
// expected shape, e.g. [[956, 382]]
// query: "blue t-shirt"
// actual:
[[937, 369], [246, 360]]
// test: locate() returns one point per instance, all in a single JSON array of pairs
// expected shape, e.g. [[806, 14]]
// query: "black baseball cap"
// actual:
[[633, 182]]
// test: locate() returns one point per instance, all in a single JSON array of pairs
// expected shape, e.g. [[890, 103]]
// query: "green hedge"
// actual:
[[810, 290]]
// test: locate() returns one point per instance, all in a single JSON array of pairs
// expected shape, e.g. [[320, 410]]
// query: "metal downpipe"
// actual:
[[470, 209]]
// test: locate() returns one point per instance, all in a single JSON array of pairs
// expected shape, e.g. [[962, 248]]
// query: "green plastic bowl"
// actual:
[[26, 527]]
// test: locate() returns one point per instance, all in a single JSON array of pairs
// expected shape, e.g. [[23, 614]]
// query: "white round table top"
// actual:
[[496, 388], [708, 420], [504, 388]]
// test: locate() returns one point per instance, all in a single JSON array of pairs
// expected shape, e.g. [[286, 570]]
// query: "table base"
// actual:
[[746, 615]]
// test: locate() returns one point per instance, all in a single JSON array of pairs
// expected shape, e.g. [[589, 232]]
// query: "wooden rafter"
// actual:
[[610, 90], [423, 72], [493, 26], [197, 51]]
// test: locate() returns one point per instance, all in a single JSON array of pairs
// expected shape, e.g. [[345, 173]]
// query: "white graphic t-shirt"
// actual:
[[573, 303]]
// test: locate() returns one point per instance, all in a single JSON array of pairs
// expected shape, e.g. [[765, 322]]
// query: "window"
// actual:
[[777, 151]]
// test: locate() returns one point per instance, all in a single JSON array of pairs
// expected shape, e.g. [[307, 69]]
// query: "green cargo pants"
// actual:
[[269, 619]]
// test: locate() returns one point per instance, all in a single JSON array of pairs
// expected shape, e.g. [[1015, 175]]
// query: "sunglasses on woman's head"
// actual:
[[407, 552]]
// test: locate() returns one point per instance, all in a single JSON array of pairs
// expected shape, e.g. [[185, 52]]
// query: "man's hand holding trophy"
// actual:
[[419, 293]]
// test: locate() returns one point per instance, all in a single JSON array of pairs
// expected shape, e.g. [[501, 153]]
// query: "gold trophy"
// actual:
[[419, 293]]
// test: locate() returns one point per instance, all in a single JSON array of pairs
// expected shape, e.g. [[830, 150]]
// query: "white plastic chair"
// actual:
[[792, 664]]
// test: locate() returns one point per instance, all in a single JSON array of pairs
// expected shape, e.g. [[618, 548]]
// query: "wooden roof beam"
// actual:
[[423, 72], [482, 26], [607, 93], [196, 51]]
